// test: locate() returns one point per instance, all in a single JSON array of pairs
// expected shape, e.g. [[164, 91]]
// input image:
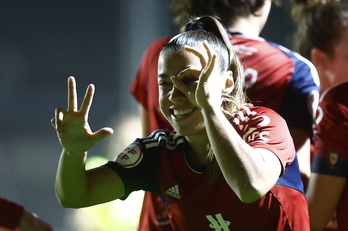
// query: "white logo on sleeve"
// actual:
[[174, 192], [219, 224], [130, 156]]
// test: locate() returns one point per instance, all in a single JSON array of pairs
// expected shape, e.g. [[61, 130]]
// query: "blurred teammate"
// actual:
[[323, 36]]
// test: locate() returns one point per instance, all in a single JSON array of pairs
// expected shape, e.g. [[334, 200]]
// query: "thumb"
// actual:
[[102, 133]]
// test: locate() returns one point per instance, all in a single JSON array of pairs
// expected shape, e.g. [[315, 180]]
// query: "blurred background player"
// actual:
[[322, 37], [13, 217]]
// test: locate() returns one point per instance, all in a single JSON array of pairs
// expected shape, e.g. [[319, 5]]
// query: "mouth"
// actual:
[[182, 112]]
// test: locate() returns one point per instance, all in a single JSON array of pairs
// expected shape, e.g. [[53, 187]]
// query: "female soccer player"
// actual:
[[219, 170]]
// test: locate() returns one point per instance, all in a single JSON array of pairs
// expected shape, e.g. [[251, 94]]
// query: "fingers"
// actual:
[[53, 122], [198, 53], [178, 84], [208, 61], [102, 133], [87, 100], [72, 95], [57, 121]]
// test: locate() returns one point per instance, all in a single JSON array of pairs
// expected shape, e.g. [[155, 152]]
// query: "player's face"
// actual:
[[185, 117]]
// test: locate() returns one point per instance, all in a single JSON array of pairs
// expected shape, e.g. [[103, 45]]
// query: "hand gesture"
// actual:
[[72, 126], [207, 91]]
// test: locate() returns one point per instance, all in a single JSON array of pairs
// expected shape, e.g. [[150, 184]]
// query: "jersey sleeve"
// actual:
[[137, 167], [331, 132], [263, 128], [11, 214], [301, 96]]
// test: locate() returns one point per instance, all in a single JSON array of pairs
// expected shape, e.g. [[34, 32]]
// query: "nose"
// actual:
[[175, 95]]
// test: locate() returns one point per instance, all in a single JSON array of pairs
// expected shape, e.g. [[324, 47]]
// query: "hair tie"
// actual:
[[197, 25]]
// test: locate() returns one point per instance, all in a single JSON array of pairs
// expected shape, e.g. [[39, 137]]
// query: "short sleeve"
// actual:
[[137, 167], [261, 127]]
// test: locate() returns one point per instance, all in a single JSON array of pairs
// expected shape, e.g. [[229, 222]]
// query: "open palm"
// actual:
[[72, 126]]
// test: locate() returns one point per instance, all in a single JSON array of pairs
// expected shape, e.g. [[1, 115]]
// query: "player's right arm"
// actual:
[[76, 187]]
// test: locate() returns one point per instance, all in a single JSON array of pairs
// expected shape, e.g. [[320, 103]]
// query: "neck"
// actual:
[[327, 80], [250, 26], [198, 150]]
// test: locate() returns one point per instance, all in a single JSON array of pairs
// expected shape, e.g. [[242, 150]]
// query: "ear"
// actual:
[[229, 84], [319, 59]]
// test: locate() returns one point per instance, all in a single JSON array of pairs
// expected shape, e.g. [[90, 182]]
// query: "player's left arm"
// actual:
[[323, 194]]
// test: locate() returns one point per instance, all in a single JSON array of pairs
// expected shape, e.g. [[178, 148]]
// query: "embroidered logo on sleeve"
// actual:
[[130, 156]]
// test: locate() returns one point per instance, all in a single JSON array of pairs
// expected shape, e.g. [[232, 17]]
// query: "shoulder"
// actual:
[[334, 101], [253, 46], [253, 122], [158, 140], [297, 59], [266, 57], [262, 127], [336, 94], [163, 139], [251, 113], [332, 111]]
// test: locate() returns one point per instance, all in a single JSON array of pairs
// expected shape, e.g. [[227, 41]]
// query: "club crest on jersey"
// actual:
[[130, 156]]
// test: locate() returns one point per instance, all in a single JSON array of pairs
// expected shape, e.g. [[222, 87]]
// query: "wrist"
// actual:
[[74, 154]]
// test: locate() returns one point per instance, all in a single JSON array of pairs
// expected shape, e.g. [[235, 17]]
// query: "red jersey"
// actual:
[[275, 77], [158, 164], [10, 214], [331, 146]]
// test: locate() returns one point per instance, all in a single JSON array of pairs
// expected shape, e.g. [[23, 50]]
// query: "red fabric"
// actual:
[[10, 214], [331, 146], [267, 65]]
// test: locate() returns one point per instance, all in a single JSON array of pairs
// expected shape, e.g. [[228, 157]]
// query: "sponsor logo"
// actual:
[[219, 223], [130, 156], [174, 192]]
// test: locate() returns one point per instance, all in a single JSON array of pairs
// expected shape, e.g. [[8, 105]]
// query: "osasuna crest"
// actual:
[[130, 156]]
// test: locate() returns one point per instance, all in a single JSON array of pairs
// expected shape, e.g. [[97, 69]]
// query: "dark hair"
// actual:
[[321, 26], [195, 33], [227, 10]]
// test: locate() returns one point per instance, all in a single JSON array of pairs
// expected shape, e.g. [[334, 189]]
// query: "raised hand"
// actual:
[[209, 86], [72, 126]]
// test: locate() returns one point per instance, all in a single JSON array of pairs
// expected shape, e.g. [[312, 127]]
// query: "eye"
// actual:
[[164, 83], [189, 75], [187, 80]]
